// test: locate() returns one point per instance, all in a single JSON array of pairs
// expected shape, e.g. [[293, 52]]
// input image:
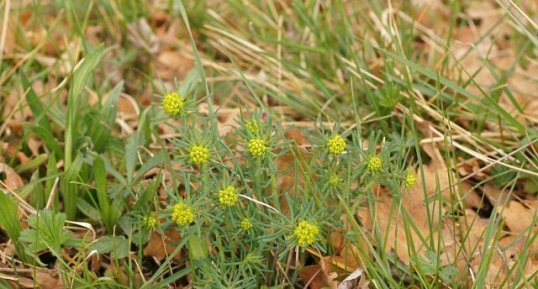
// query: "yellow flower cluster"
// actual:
[[182, 214], [150, 222], [199, 154], [256, 147], [173, 104], [252, 127], [334, 180], [306, 233], [336, 144], [245, 224], [410, 180], [228, 196], [374, 163]]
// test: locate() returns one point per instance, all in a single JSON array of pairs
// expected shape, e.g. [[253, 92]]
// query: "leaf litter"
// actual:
[[461, 243]]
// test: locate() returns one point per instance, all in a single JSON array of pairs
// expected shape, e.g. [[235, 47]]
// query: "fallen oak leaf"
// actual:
[[517, 217], [353, 280], [12, 180], [159, 246], [313, 277], [319, 276], [46, 280]]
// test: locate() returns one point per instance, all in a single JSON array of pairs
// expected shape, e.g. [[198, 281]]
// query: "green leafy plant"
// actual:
[[46, 231]]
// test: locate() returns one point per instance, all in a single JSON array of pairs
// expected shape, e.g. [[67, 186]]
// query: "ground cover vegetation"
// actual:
[[268, 144]]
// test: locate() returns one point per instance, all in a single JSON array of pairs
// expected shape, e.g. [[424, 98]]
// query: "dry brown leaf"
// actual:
[[119, 274], [158, 18], [496, 270], [471, 232], [494, 195], [23, 282], [127, 108], [397, 239], [314, 277], [355, 280], [12, 180], [319, 276], [96, 262], [524, 87], [347, 255], [43, 279], [160, 246], [297, 136], [470, 166], [471, 198], [517, 217], [23, 159], [338, 241], [46, 280], [34, 144], [173, 64], [141, 36]]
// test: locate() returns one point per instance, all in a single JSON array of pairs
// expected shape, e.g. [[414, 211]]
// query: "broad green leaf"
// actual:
[[118, 246], [46, 231], [9, 218], [197, 248]]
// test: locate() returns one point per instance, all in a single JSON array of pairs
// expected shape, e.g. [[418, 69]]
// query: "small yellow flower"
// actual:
[[182, 214], [150, 222], [306, 233], [256, 147], [245, 224], [334, 180], [336, 144], [173, 104], [252, 127], [374, 163], [410, 180], [228, 196], [199, 154]]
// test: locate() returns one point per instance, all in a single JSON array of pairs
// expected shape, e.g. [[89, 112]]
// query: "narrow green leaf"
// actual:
[[111, 105], [35, 104], [52, 174], [144, 127], [147, 195], [130, 156], [153, 162], [89, 210], [454, 86], [32, 164], [80, 78], [48, 139], [69, 189], [99, 171]]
